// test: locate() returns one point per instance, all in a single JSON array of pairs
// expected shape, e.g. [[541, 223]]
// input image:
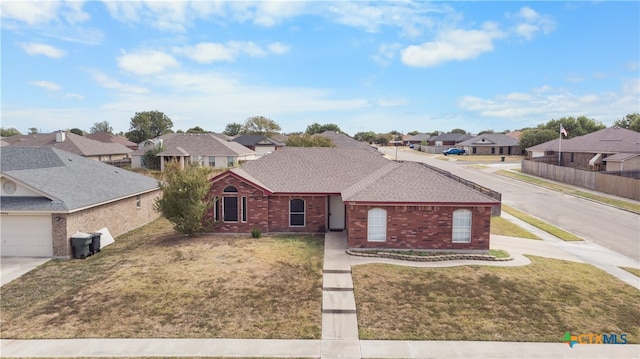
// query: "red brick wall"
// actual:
[[418, 227], [268, 213], [257, 206], [315, 214]]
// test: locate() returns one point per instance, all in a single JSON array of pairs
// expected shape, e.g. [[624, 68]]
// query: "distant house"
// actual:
[[447, 140], [491, 144], [418, 139], [111, 138], [313, 190], [70, 142], [340, 140], [610, 149], [205, 149], [48, 194], [259, 143]]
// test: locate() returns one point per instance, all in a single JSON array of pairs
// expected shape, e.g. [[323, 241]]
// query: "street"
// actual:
[[610, 227]]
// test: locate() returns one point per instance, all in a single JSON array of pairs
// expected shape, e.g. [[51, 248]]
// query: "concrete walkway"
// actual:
[[340, 325]]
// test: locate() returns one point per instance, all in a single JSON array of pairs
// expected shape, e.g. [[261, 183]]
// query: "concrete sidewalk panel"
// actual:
[[385, 349], [339, 326], [342, 348], [337, 281], [338, 302]]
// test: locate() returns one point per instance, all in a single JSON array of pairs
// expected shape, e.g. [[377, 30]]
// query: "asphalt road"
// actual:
[[607, 226]]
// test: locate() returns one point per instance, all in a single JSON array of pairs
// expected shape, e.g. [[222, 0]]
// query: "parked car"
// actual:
[[454, 151]]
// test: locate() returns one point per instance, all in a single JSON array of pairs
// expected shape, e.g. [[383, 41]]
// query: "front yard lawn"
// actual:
[[155, 283], [534, 303]]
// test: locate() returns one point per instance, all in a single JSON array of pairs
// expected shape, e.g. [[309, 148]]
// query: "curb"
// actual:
[[435, 258]]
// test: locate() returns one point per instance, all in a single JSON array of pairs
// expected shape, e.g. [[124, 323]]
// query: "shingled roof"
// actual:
[[608, 140], [66, 181], [357, 174], [341, 140], [201, 144], [72, 143]]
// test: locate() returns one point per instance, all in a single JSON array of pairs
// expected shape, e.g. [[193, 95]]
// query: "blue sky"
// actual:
[[380, 66]]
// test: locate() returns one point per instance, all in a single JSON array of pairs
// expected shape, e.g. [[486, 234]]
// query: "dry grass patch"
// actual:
[[154, 283], [634, 271], [503, 227], [536, 303]]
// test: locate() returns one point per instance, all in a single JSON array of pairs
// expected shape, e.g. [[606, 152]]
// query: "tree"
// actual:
[[100, 127], [8, 132], [630, 122], [148, 124], [369, 136], [196, 129], [185, 198], [486, 131], [318, 128], [307, 140], [260, 125], [459, 130], [232, 129], [383, 139], [77, 131], [413, 133], [33, 130], [535, 136], [151, 159], [574, 126]]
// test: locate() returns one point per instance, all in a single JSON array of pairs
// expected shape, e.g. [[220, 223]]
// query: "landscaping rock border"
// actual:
[[430, 258]]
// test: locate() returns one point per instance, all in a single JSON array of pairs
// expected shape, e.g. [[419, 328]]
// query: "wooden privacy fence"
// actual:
[[597, 181]]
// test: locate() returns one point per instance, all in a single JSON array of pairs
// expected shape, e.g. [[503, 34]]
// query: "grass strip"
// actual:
[[632, 207], [534, 303], [503, 227], [499, 253], [551, 229], [634, 271]]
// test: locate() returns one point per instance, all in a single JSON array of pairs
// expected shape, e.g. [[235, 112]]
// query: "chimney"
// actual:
[[60, 136]]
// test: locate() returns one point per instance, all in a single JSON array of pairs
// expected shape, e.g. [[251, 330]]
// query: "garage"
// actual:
[[26, 236]]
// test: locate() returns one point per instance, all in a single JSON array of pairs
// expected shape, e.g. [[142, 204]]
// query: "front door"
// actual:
[[336, 213]]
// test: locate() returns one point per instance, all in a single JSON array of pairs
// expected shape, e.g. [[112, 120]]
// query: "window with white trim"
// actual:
[[230, 204], [461, 227], [244, 209], [296, 213], [212, 161], [377, 225]]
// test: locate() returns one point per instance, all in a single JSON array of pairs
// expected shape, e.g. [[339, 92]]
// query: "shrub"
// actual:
[[256, 233]]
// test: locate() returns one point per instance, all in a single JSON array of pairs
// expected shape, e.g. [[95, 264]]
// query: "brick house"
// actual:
[[491, 144], [379, 203]]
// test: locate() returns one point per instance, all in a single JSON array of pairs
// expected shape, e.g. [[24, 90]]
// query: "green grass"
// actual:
[[629, 206], [534, 303], [503, 227], [553, 230], [634, 271], [499, 253]]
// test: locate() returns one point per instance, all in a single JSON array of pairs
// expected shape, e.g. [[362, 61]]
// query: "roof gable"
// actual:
[[489, 139]]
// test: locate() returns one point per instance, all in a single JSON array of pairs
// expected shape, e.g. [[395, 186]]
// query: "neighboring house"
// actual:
[[610, 149], [261, 144], [340, 140], [106, 137], [379, 203], [491, 144], [447, 140], [418, 139], [205, 149], [70, 142], [47, 195]]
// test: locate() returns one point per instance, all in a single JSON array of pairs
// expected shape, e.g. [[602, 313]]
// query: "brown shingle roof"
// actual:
[[343, 141], [608, 140], [110, 138], [197, 144], [357, 174], [73, 143], [490, 139]]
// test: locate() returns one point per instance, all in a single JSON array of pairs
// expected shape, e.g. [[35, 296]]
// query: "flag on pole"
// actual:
[[563, 131]]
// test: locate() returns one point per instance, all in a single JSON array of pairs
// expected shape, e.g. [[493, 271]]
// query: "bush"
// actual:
[[256, 233]]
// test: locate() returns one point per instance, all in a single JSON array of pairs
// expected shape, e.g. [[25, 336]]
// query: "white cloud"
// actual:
[[74, 96], [107, 82], [533, 23], [386, 53], [453, 44], [146, 62], [43, 49], [51, 86], [208, 52], [30, 12]]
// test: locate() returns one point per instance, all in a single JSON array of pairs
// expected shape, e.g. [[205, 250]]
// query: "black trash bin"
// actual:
[[94, 247], [81, 242], [502, 158]]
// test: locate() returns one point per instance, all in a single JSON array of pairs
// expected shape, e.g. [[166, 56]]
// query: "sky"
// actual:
[[365, 66]]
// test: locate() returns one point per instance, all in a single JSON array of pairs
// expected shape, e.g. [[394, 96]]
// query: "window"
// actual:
[[296, 212], [244, 209], [212, 161], [230, 205], [138, 201], [216, 209], [230, 161], [493, 150], [377, 225], [501, 150], [461, 226]]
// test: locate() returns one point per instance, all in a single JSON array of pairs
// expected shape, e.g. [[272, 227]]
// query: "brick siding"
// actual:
[[418, 227]]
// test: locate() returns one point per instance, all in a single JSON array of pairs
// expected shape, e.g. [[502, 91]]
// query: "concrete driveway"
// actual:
[[14, 267]]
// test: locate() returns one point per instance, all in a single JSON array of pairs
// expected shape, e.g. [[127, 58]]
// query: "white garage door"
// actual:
[[25, 236]]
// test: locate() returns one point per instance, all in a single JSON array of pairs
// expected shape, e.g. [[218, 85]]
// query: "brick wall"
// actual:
[[119, 217], [315, 214], [418, 227], [257, 206]]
